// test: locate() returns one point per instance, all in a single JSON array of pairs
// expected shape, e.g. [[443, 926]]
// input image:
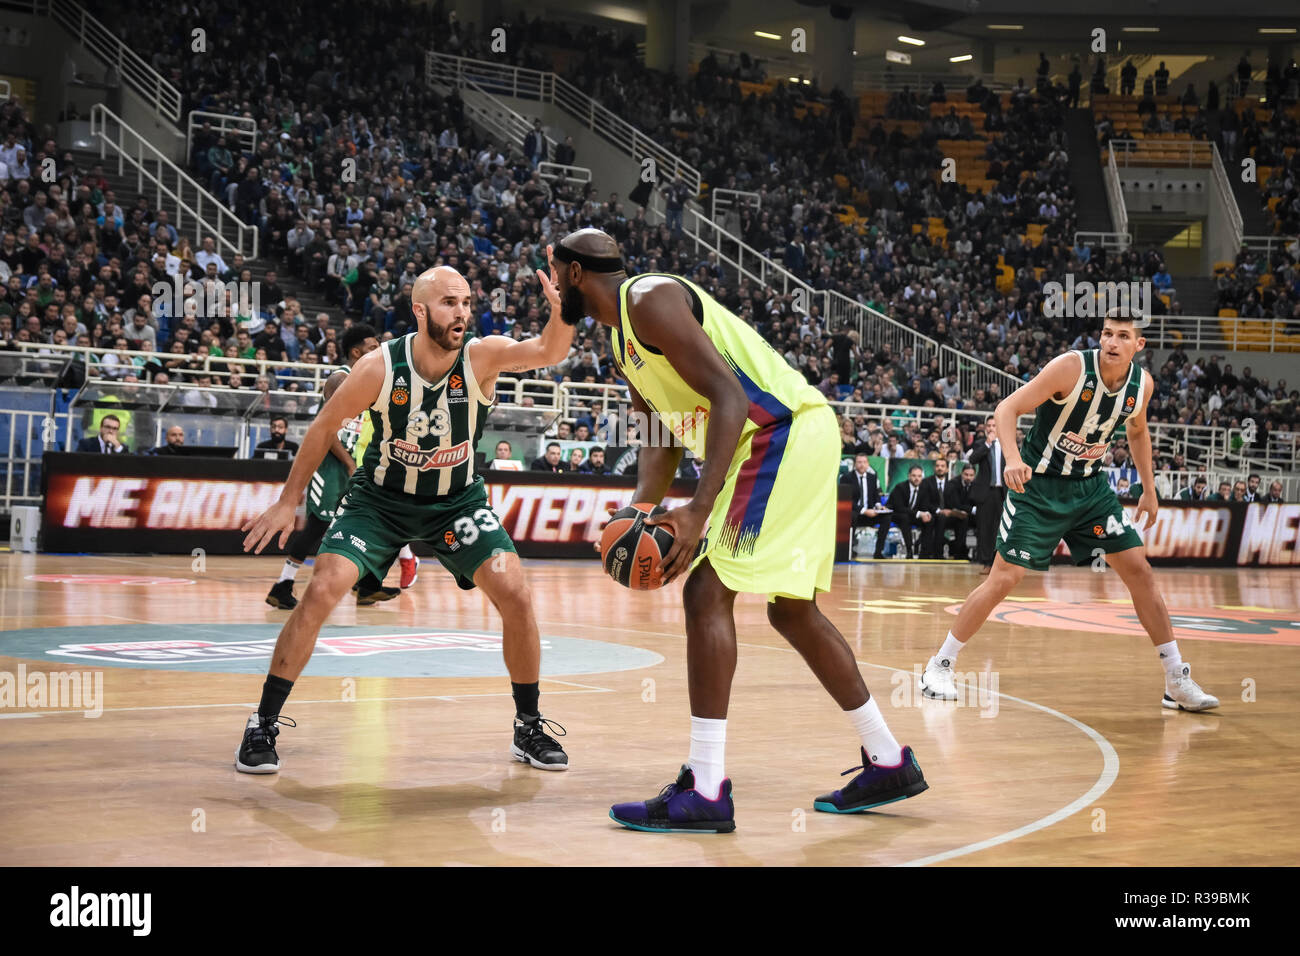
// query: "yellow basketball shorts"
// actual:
[[772, 529]]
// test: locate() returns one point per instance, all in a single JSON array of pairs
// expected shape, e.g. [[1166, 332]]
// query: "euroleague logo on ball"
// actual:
[[621, 554]]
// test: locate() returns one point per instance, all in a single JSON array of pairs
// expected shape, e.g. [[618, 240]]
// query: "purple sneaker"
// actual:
[[679, 808], [875, 786]]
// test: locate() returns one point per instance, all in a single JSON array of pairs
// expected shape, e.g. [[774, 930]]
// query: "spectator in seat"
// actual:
[[278, 445], [1274, 496], [551, 461], [1196, 492], [175, 443], [106, 443], [595, 463]]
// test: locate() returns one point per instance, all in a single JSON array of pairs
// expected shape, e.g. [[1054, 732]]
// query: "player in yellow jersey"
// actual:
[[767, 490]]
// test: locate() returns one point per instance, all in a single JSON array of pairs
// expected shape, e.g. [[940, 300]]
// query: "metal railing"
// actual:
[[106, 46], [192, 203], [1224, 189], [505, 80], [1192, 153], [5, 91], [973, 374], [1201, 332], [1110, 241], [1170, 484], [242, 128], [1115, 197], [730, 199], [892, 81], [554, 171], [745, 259], [498, 118]]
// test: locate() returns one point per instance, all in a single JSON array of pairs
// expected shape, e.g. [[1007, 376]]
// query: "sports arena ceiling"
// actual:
[[953, 27]]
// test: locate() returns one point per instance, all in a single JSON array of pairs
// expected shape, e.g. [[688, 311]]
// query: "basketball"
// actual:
[[631, 552]]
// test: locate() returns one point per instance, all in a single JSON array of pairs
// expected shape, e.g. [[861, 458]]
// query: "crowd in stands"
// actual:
[[428, 188]]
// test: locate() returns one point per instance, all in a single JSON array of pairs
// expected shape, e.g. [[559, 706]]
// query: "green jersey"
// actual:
[[1070, 437], [351, 431], [425, 433]]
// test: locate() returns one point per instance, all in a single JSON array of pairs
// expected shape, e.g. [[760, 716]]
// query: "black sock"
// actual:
[[274, 693], [369, 583], [525, 699]]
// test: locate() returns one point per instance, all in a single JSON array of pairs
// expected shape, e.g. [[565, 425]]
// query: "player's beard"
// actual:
[[441, 334], [572, 308]]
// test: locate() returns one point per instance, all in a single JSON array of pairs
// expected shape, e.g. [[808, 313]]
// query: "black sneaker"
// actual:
[[367, 597], [257, 753], [281, 596], [875, 786], [535, 746]]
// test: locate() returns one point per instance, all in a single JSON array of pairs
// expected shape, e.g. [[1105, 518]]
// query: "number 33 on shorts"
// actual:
[[467, 527]]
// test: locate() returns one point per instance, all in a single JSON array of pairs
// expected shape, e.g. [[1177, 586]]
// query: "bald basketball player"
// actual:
[[428, 395], [767, 490]]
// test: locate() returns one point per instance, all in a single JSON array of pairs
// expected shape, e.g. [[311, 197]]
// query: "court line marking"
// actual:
[[1109, 770], [452, 698], [1110, 759]]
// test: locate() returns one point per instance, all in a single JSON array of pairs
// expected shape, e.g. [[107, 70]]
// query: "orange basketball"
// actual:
[[631, 551]]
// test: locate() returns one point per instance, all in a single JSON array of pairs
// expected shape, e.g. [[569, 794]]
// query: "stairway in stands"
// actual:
[[1085, 172], [126, 190], [1197, 295]]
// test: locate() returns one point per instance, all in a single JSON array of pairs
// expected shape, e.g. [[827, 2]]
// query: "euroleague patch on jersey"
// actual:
[[1130, 402], [1073, 444], [636, 360], [456, 390], [449, 537], [413, 456]]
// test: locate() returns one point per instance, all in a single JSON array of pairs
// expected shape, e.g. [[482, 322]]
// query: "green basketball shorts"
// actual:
[[373, 523], [1082, 511], [326, 488]]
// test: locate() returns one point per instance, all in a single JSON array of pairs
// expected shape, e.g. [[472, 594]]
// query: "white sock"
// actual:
[[1170, 658], [877, 741], [951, 648], [708, 749], [406, 552], [289, 571]]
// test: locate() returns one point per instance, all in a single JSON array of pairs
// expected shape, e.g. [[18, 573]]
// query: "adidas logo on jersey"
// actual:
[[336, 534], [400, 382]]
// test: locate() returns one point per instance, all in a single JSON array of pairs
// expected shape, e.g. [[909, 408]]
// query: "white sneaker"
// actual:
[[938, 681], [1183, 693]]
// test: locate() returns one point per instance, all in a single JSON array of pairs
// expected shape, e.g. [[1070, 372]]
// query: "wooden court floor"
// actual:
[[1059, 755]]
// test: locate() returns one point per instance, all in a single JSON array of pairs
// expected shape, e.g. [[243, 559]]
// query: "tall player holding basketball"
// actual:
[[327, 486], [771, 449], [428, 395], [1059, 491]]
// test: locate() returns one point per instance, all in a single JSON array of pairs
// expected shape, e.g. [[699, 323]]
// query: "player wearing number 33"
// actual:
[[427, 395], [1059, 491], [771, 449]]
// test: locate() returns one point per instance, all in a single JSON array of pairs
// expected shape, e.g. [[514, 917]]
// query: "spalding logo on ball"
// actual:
[[631, 551]]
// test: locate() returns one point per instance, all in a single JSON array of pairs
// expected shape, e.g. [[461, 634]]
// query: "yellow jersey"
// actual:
[[775, 390]]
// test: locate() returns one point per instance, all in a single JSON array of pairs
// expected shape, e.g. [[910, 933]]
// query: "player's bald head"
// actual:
[[432, 284]]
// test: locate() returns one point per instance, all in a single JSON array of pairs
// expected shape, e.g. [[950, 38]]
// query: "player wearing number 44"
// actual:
[[1058, 490], [427, 394]]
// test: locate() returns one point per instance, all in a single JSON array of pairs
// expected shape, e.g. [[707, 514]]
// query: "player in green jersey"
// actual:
[[326, 489], [1058, 490], [427, 395]]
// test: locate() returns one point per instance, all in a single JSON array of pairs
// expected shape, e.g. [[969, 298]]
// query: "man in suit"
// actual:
[[904, 511], [107, 443], [986, 455], [933, 491], [1252, 488], [866, 491], [957, 505], [1274, 496]]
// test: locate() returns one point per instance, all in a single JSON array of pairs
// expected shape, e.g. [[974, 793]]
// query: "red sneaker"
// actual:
[[409, 570]]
